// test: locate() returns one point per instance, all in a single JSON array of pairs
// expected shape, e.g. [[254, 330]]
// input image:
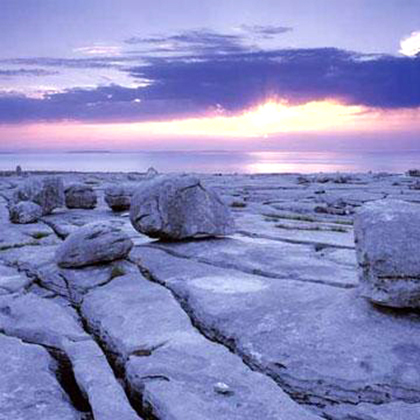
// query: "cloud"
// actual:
[[73, 63], [103, 104], [99, 49], [196, 41], [240, 80], [410, 46], [26, 72], [267, 31], [204, 70]]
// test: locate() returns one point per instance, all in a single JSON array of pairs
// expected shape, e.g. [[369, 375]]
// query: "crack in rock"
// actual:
[[254, 271], [63, 371], [298, 390]]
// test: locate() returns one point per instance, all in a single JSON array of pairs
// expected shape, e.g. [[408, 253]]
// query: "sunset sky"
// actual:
[[209, 74]]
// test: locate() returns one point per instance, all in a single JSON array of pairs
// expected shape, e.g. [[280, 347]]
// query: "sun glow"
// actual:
[[269, 118]]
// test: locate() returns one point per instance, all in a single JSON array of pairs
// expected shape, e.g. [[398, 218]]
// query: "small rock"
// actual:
[[118, 197], [94, 243], [414, 172], [222, 388], [337, 207], [48, 193], [334, 178], [303, 180], [151, 173], [387, 236], [415, 186], [25, 212], [80, 196], [178, 208]]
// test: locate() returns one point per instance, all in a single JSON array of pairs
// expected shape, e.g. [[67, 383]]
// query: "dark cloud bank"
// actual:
[[192, 72]]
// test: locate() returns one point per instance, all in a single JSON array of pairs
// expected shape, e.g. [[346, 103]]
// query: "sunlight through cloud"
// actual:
[[410, 46]]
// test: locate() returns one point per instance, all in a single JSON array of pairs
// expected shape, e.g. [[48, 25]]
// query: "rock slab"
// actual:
[[28, 387]]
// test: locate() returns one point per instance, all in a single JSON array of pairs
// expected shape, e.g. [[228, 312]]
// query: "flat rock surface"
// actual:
[[28, 387], [267, 323]]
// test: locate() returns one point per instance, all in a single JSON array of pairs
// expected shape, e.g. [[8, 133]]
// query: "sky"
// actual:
[[209, 74]]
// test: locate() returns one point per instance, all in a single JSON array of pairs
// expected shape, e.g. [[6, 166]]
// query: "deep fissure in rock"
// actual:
[[63, 371], [65, 377], [135, 397]]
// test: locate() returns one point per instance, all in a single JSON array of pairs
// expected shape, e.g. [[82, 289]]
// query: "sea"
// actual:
[[215, 161]]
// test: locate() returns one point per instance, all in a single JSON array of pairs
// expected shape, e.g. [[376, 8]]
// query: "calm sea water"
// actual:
[[215, 162]]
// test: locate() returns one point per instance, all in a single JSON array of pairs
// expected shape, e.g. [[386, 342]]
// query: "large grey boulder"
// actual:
[[387, 236], [80, 196], [118, 197], [47, 193], [179, 207], [25, 212], [94, 243]]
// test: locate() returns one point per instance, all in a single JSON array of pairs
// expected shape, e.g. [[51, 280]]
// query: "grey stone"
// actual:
[[222, 388], [151, 173], [414, 172], [387, 236], [179, 207], [80, 196], [173, 366], [255, 256], [94, 243], [43, 321], [11, 280], [323, 344], [47, 192], [25, 212], [118, 197], [28, 388]]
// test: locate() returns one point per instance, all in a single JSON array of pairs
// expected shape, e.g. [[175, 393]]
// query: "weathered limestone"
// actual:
[[94, 243], [176, 370], [118, 197], [323, 344], [28, 387], [11, 280], [25, 212], [274, 308], [43, 321], [80, 196], [179, 207], [255, 256], [387, 235], [48, 193]]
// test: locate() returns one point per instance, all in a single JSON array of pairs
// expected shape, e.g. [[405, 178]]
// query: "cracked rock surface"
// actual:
[[268, 323]]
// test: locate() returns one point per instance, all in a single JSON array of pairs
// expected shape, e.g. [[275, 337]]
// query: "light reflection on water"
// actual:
[[215, 162]]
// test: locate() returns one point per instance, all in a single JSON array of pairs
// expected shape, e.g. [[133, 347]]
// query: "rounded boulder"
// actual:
[[94, 243], [80, 196], [179, 207], [25, 212]]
